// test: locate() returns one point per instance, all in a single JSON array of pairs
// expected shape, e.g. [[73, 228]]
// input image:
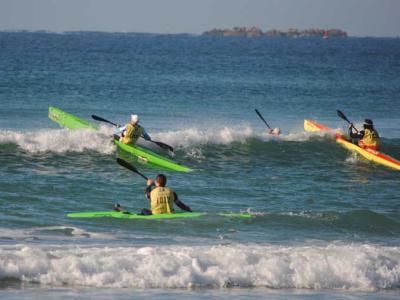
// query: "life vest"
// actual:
[[370, 140], [162, 200], [132, 134]]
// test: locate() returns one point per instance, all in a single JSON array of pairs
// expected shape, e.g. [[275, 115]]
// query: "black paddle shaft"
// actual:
[[129, 166], [262, 118], [97, 118], [342, 115]]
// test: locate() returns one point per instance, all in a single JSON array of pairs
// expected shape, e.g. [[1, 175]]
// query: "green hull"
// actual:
[[128, 215], [145, 156], [69, 121], [142, 155]]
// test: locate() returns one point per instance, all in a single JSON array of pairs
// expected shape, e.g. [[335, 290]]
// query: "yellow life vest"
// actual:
[[162, 200], [370, 139], [132, 134]]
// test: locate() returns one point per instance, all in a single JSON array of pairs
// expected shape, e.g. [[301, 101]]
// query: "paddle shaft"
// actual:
[[129, 166], [97, 118], [342, 115], [262, 118]]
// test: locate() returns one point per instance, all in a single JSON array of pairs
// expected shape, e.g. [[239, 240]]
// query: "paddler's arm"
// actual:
[[146, 136], [355, 135], [180, 204], [149, 187], [120, 129]]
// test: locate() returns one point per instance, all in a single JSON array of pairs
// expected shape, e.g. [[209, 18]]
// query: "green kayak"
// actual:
[[142, 155], [69, 121], [128, 215]]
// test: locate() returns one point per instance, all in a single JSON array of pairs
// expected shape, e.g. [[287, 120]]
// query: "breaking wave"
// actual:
[[333, 266], [60, 140], [64, 140]]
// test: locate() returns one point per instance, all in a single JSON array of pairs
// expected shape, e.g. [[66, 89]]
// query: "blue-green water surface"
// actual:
[[325, 222]]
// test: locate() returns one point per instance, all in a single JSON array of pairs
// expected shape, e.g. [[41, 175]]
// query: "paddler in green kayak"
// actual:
[[132, 131], [367, 138], [162, 198]]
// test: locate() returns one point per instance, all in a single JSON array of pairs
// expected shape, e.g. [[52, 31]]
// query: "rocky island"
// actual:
[[255, 32]]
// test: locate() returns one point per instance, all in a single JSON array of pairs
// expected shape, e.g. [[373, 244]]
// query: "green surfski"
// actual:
[[128, 215], [142, 155], [69, 121]]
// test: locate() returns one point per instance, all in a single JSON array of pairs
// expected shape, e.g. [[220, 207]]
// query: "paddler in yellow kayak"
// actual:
[[367, 138], [162, 198], [132, 131]]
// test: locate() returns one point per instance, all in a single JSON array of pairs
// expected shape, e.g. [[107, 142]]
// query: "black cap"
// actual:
[[368, 122]]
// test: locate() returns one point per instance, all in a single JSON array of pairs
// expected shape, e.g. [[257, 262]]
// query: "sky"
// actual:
[[357, 17]]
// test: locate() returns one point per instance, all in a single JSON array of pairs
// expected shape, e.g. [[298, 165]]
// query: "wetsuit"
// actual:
[[367, 138]]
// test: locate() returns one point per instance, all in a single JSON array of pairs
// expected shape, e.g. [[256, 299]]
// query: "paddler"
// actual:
[[275, 131], [367, 138], [133, 131], [162, 198]]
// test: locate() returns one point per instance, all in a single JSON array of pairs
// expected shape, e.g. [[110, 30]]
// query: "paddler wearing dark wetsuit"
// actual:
[[133, 131], [275, 131], [162, 198], [367, 138]]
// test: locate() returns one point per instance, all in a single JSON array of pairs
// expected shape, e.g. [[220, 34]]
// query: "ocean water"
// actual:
[[326, 224]]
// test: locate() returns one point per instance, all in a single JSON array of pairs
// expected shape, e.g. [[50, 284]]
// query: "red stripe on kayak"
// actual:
[[384, 156]]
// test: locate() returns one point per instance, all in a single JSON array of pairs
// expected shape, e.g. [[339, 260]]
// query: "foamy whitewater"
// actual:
[[64, 140], [325, 223], [333, 266]]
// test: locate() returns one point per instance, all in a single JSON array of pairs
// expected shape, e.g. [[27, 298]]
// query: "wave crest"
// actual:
[[60, 140], [333, 266]]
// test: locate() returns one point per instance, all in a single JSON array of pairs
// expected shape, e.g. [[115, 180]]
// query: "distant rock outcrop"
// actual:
[[255, 32], [236, 31]]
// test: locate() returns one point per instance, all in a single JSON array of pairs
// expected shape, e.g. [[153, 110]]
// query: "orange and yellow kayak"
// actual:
[[375, 156]]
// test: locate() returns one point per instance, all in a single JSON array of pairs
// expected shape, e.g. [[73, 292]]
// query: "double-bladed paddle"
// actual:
[[262, 118], [341, 115], [129, 166], [97, 118], [160, 144]]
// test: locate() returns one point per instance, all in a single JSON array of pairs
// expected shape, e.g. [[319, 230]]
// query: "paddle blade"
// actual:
[[129, 166], [341, 115], [164, 146], [97, 118]]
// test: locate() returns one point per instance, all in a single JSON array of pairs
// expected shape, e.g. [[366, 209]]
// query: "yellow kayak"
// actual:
[[375, 156]]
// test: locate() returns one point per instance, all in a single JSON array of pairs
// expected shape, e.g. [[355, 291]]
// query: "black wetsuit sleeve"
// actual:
[[181, 205], [356, 135], [148, 191]]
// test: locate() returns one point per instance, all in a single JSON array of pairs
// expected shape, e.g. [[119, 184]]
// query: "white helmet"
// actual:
[[134, 119]]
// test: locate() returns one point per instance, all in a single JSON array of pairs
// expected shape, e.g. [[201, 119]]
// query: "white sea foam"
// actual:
[[51, 233], [189, 139], [60, 140], [333, 266], [194, 136]]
